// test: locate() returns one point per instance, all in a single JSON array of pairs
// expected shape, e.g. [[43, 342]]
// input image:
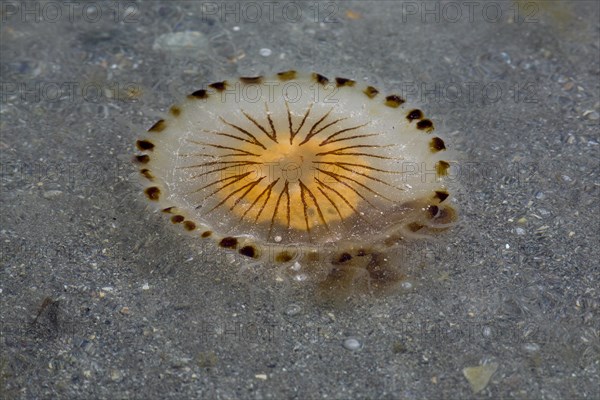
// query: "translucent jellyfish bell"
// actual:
[[296, 166]]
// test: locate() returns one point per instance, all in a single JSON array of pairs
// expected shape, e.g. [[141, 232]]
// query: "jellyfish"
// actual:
[[300, 168]]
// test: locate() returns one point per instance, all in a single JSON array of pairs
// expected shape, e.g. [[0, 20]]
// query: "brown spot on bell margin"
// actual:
[[394, 101], [433, 211], [144, 159], [436, 144], [371, 92], [251, 79], [442, 168], [425, 125], [144, 145], [219, 86], [414, 114], [153, 193], [344, 257], [441, 195], [168, 210], [287, 75], [189, 225], [284, 256], [159, 126], [344, 82], [206, 234], [175, 111], [177, 219], [320, 78], [249, 251], [199, 94], [146, 174], [228, 242]]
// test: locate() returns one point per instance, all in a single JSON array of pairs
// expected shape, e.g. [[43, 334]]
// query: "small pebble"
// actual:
[[352, 344], [265, 52], [300, 277], [293, 309], [115, 375], [49, 194], [531, 347], [406, 285]]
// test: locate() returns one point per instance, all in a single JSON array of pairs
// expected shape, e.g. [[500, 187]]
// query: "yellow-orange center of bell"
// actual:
[[294, 185]]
